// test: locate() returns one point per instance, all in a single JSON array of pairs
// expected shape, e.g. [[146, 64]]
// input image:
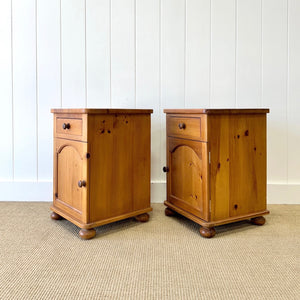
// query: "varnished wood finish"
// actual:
[[112, 158], [238, 164], [100, 111], [187, 126], [78, 126], [142, 218], [187, 176], [70, 166], [101, 222], [220, 177], [207, 232], [55, 216], [87, 234], [218, 111], [126, 161], [182, 127], [213, 223], [258, 221], [74, 126]]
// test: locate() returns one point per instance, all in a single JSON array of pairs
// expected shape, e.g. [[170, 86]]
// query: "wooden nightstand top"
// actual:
[[213, 111], [103, 111]]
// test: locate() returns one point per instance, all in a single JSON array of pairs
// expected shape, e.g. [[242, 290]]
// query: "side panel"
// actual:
[[218, 127], [238, 165], [120, 164], [141, 161], [101, 160], [248, 164]]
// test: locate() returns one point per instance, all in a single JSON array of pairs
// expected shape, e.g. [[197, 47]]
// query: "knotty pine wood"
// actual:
[[78, 126], [226, 180], [113, 160], [75, 126], [70, 166], [204, 223], [238, 164], [195, 126], [125, 159], [187, 176], [192, 127], [99, 111], [217, 111]]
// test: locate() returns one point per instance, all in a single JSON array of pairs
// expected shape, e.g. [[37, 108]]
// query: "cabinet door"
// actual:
[[70, 178], [187, 176]]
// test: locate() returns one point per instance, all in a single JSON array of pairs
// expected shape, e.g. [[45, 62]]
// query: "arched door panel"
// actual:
[[70, 169], [187, 176]]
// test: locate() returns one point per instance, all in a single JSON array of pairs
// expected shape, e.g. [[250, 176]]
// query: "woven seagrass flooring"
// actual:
[[165, 258]]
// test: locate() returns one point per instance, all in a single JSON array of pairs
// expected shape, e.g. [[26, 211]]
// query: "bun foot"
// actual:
[[55, 216], [258, 221], [207, 232], [169, 212], [87, 234], [142, 218]]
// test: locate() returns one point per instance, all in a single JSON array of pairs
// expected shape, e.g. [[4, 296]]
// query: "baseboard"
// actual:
[[42, 191], [26, 191], [158, 191], [279, 193]]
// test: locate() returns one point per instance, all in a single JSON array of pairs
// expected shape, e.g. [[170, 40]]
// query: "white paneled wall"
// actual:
[[48, 81], [73, 53], [145, 54], [248, 74], [98, 64], [223, 53], [6, 93], [24, 83], [197, 54]]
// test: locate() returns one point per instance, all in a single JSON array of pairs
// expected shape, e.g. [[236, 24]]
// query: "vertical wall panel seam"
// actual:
[[110, 25], [184, 53], [160, 53], [262, 56], [85, 55], [36, 92], [60, 54], [12, 93], [236, 50], [210, 56], [135, 54], [160, 79], [287, 92]]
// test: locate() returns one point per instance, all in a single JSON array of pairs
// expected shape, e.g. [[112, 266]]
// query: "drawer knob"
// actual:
[[181, 126], [81, 183], [66, 126], [165, 169]]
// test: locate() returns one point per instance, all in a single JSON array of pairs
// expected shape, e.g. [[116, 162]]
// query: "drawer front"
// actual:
[[70, 127], [185, 127]]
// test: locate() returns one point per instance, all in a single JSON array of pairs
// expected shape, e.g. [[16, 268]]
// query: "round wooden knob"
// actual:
[[66, 126], [181, 126], [81, 183], [165, 169]]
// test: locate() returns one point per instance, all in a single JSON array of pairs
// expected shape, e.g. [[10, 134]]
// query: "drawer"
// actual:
[[186, 127], [70, 127]]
